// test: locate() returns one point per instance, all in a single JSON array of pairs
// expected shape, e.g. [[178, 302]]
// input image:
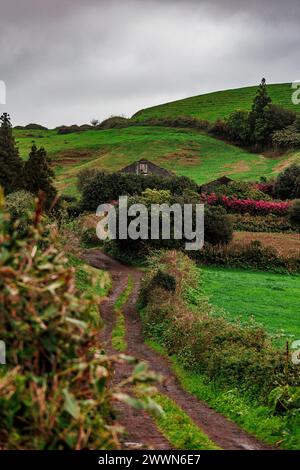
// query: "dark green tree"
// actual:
[[11, 166], [39, 174], [258, 117]]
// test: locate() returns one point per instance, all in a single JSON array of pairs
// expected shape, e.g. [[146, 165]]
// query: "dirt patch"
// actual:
[[286, 244], [286, 163], [69, 157], [140, 426], [237, 167]]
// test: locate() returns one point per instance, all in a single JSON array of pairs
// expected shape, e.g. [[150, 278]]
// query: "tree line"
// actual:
[[35, 175]]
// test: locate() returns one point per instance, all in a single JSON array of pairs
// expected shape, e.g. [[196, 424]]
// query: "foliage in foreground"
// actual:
[[54, 390]]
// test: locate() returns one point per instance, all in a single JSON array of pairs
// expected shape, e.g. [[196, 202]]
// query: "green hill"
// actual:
[[219, 104], [184, 151]]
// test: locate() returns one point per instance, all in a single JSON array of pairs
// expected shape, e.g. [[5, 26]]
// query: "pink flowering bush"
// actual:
[[249, 206]]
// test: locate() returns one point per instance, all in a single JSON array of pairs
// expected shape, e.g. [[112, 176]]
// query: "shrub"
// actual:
[[287, 185], [250, 206], [238, 127], [219, 128], [113, 122], [261, 223], [178, 121], [285, 139], [54, 391], [85, 176], [105, 187], [253, 256], [20, 206], [218, 227], [33, 126], [242, 190], [294, 213]]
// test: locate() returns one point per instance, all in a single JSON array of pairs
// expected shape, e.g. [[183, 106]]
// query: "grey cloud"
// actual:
[[71, 60]]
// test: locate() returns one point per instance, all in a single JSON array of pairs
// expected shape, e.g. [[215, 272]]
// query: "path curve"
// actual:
[[140, 426]]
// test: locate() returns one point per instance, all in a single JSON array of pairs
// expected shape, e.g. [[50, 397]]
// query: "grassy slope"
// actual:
[[271, 299], [219, 104], [186, 152]]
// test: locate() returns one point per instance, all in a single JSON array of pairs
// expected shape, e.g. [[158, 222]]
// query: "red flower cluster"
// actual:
[[249, 206]]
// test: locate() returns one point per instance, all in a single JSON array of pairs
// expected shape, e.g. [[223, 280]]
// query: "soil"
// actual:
[[141, 429]]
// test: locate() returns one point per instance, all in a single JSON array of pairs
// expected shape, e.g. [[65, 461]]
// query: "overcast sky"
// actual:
[[68, 61]]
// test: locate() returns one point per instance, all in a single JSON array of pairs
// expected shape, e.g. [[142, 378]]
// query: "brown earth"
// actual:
[[141, 430], [286, 244]]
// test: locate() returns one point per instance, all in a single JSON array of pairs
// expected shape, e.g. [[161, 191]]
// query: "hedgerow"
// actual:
[[230, 354]]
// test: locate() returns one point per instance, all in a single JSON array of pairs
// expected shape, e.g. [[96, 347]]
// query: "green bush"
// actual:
[[287, 184], [105, 187], [54, 391], [262, 223], [20, 205], [242, 190], [113, 122], [218, 227], [253, 256], [286, 139]]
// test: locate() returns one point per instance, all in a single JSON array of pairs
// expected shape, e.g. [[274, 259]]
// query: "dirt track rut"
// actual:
[[141, 429]]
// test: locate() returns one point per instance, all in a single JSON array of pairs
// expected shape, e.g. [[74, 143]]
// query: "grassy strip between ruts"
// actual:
[[119, 331], [179, 428], [252, 417]]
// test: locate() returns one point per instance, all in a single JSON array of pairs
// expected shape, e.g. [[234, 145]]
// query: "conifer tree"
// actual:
[[258, 119], [11, 165], [39, 174]]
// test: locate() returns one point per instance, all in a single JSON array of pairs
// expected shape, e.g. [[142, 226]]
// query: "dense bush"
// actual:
[[294, 213], [242, 190], [230, 354], [19, 205], [105, 187], [84, 177], [218, 228], [247, 206], [287, 185], [54, 391], [253, 256], [286, 139], [255, 128], [262, 223], [178, 121], [73, 128], [113, 122], [33, 127]]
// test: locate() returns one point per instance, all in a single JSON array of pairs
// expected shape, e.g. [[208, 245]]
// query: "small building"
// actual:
[[145, 167], [213, 185]]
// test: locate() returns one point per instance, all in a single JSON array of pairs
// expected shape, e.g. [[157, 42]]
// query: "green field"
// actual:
[[183, 151], [219, 104], [272, 300]]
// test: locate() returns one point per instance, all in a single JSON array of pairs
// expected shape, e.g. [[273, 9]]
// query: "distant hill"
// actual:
[[219, 104]]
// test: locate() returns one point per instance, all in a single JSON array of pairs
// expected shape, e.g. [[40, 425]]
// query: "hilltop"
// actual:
[[217, 105]]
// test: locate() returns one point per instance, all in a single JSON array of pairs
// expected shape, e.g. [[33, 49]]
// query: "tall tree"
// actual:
[[11, 165], [258, 118], [39, 174]]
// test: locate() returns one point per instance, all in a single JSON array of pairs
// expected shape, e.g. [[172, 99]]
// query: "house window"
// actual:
[[143, 167]]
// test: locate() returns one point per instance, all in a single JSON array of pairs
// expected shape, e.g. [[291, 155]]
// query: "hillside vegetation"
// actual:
[[183, 151], [219, 104]]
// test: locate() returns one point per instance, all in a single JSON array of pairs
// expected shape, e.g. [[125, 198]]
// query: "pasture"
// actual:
[[183, 151], [271, 300], [219, 104]]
